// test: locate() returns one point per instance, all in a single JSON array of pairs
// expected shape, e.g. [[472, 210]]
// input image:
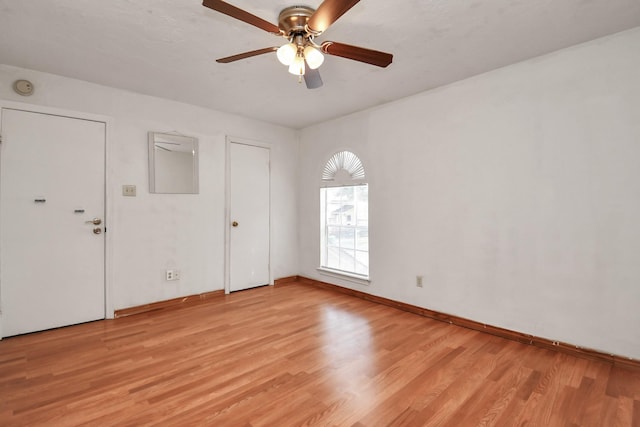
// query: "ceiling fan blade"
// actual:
[[235, 12], [373, 57], [312, 77], [244, 55], [327, 13]]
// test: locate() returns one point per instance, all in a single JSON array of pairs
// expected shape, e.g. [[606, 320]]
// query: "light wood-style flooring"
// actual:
[[297, 355]]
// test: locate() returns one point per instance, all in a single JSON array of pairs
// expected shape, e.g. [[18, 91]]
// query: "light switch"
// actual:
[[129, 190]]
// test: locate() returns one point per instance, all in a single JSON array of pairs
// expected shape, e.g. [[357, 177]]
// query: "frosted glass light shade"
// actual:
[[287, 53], [313, 56], [297, 66]]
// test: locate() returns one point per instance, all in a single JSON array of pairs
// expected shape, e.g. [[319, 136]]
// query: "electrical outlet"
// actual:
[[172, 275], [419, 281]]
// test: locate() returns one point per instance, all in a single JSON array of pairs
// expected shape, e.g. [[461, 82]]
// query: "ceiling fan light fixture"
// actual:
[[299, 25], [287, 53], [297, 66], [313, 56]]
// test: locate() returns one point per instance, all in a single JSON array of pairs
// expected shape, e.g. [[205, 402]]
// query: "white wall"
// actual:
[[515, 193], [153, 232]]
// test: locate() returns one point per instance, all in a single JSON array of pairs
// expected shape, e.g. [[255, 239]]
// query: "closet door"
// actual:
[[249, 213]]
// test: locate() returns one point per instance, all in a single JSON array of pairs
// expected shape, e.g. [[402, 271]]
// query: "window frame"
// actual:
[[344, 169]]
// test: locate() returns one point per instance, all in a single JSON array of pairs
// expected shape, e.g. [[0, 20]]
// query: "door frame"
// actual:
[[108, 188], [227, 211]]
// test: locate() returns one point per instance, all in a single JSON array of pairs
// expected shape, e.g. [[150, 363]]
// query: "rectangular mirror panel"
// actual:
[[173, 164]]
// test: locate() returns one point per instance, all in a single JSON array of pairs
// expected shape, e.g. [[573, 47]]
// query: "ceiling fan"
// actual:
[[300, 25]]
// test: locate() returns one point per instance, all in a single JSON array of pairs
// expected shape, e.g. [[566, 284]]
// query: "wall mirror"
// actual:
[[173, 163]]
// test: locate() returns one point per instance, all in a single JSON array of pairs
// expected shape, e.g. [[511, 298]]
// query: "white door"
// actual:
[[249, 214], [51, 254]]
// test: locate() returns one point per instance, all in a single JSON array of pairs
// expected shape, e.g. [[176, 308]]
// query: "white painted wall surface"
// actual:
[[515, 193], [154, 232]]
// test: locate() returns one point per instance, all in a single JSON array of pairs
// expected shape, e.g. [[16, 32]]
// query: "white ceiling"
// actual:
[[168, 48]]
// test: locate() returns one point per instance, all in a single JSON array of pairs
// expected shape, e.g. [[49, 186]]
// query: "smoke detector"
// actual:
[[23, 87]]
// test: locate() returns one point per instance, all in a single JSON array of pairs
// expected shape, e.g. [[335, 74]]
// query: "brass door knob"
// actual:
[[234, 223], [97, 230], [94, 221]]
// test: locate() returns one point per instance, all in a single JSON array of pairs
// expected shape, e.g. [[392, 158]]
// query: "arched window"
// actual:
[[344, 216]]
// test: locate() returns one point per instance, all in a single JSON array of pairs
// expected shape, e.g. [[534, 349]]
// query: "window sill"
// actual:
[[349, 277]]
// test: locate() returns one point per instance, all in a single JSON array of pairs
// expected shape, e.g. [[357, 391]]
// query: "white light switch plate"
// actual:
[[129, 190]]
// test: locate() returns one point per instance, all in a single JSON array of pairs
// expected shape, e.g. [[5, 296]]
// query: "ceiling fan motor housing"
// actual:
[[293, 20]]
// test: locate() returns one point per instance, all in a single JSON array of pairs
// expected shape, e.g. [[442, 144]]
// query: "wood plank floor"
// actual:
[[296, 355]]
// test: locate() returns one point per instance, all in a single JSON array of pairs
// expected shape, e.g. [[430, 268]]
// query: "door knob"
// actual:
[[94, 221], [97, 230], [234, 223]]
